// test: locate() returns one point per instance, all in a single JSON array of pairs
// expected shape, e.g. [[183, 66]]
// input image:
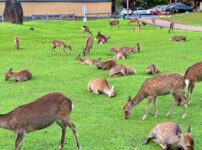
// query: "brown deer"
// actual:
[[60, 44], [101, 85], [22, 75], [171, 27], [89, 45], [113, 23], [129, 50], [193, 75], [17, 42], [102, 39], [152, 69], [106, 65], [153, 21], [137, 28], [39, 114], [178, 38], [87, 30], [121, 70], [86, 61], [133, 21], [169, 135], [119, 54], [143, 23], [159, 86]]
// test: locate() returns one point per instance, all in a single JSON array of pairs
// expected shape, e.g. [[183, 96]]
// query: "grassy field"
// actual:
[[99, 119], [188, 18]]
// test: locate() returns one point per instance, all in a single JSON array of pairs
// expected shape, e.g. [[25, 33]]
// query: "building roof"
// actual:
[[61, 0]]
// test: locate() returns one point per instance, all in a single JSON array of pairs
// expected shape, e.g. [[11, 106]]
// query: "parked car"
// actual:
[[124, 11], [178, 8], [155, 10], [141, 11]]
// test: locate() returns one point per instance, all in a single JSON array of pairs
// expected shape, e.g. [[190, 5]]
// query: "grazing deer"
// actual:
[[101, 85], [159, 86], [169, 135], [193, 75], [89, 45], [102, 39], [121, 70], [171, 27], [87, 30], [106, 65], [86, 61], [152, 69], [119, 54], [137, 28], [60, 44], [22, 75], [143, 23], [113, 23], [133, 21], [17, 42], [39, 114], [178, 38]]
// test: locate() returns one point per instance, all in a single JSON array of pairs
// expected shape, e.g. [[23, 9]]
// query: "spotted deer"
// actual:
[[102, 39], [60, 44], [89, 45], [121, 70], [152, 69], [86, 61], [105, 65], [39, 114]]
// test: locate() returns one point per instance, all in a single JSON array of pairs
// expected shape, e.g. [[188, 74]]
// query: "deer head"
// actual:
[[128, 108], [8, 74], [112, 92]]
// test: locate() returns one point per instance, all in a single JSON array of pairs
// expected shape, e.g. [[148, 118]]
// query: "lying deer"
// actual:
[[169, 135], [22, 75], [178, 38], [86, 61], [17, 42], [159, 86], [89, 45], [113, 23], [60, 44], [129, 50], [137, 28], [102, 39], [171, 27], [133, 21], [106, 65], [193, 75], [101, 85], [87, 30], [121, 70], [152, 69], [118, 54], [39, 114]]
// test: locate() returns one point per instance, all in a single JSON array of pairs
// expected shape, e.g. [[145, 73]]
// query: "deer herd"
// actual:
[[56, 107]]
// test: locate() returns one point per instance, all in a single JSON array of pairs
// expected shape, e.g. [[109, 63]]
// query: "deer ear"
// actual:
[[179, 131], [129, 98], [189, 129], [10, 69]]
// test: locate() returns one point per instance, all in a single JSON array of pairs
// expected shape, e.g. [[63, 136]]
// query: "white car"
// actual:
[[141, 11], [124, 11]]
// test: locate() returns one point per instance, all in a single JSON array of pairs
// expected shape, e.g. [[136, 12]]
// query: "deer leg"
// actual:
[[63, 126], [149, 139], [191, 91], [156, 109], [72, 126], [19, 140], [175, 102], [185, 105], [150, 99], [53, 49]]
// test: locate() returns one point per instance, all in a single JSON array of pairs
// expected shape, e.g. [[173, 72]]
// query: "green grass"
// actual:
[[188, 18], [99, 119]]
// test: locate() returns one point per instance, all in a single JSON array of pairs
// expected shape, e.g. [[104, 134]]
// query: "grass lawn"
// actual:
[[99, 119], [188, 18]]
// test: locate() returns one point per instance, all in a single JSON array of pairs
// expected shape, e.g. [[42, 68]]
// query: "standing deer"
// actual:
[[89, 45], [17, 42], [137, 28], [193, 75], [169, 135], [106, 65], [159, 86], [86, 61], [102, 39], [39, 114], [121, 70], [101, 85], [113, 23], [153, 21], [152, 69], [60, 44], [22, 75], [171, 27], [133, 21], [87, 30]]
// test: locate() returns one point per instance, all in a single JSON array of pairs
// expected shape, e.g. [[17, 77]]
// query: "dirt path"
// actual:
[[164, 23]]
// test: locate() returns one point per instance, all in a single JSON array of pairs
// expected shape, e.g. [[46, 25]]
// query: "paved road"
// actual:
[[166, 24]]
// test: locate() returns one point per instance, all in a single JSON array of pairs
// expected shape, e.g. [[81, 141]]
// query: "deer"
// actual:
[[169, 135], [101, 85], [86, 61], [171, 27], [137, 28], [121, 70], [17, 42], [153, 21], [39, 114], [102, 39], [133, 21], [152, 69], [192, 75], [60, 44], [87, 30], [129, 50], [20, 76], [165, 84], [119, 54], [178, 38], [113, 23], [89, 45], [106, 65]]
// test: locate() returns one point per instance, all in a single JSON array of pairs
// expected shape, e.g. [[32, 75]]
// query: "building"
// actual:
[[42, 7]]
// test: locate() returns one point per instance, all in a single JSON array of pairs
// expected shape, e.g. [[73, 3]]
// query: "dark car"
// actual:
[[178, 8]]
